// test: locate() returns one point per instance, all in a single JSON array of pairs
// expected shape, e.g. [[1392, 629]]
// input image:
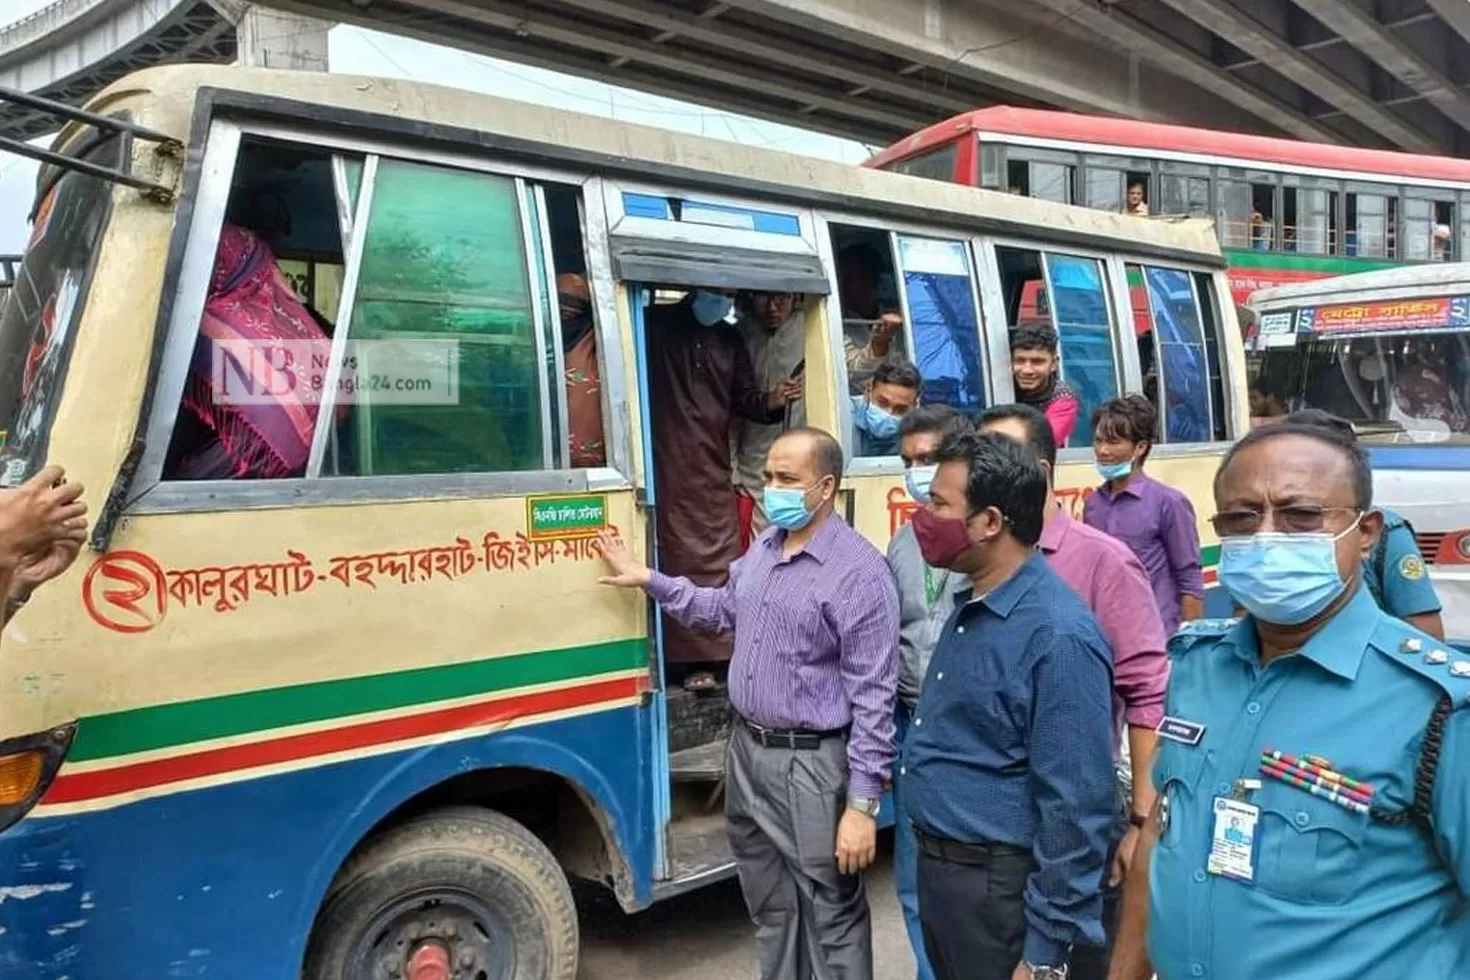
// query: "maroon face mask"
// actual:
[[941, 539]]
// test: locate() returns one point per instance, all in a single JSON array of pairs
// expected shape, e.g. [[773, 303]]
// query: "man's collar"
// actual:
[[1137, 483], [1338, 645], [822, 542], [1058, 525], [1003, 598]]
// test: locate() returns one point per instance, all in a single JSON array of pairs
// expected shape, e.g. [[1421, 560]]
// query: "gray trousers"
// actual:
[[782, 808]]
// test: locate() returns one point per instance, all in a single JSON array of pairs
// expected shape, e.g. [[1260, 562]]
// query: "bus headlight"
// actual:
[[27, 766]]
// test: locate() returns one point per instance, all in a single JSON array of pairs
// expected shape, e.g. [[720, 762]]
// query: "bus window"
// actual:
[[943, 321], [1309, 219], [1179, 194], [1427, 229], [1235, 214], [869, 297], [1045, 180], [1176, 362], [991, 166], [935, 165], [1103, 188], [1066, 293], [38, 318], [1367, 225], [1464, 227], [1209, 308]]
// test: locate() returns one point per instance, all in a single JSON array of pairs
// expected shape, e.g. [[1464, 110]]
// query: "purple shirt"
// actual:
[[1157, 523], [816, 640], [1111, 581]]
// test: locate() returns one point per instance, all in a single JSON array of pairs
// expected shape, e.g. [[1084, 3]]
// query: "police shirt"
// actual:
[[1335, 893], [1396, 573]]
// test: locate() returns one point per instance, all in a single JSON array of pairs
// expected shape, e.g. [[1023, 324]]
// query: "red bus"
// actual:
[[1287, 211]]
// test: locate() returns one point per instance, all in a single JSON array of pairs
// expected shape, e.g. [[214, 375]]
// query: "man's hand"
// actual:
[[1123, 858], [40, 567], [794, 390], [40, 512], [857, 841], [887, 327], [627, 571]]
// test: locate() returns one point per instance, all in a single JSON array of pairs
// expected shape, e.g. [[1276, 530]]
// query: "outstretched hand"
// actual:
[[39, 513], [627, 571]]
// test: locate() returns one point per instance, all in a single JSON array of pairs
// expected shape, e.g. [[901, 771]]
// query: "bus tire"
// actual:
[[471, 880]]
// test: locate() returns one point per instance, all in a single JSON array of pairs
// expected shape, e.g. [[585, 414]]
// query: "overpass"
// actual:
[[1388, 73]]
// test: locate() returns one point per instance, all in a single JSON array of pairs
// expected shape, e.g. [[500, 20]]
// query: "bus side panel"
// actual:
[[225, 881]]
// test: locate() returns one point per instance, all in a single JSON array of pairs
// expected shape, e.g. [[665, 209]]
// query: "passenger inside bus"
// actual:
[[872, 324], [889, 395], [1138, 199], [583, 376], [773, 326]]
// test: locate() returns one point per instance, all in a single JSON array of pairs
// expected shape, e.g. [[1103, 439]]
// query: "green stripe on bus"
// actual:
[[167, 725], [1209, 555], [1332, 264]]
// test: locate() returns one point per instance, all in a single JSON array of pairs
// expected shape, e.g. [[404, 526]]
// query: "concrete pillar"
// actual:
[[275, 39]]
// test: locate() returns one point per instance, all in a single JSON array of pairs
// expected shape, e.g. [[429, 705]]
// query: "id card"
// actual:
[[1233, 843]]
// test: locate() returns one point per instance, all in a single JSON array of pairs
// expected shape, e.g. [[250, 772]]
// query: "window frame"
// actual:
[[1204, 346], [150, 493]]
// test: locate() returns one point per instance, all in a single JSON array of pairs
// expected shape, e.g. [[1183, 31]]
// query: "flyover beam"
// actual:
[[1392, 55], [1260, 43]]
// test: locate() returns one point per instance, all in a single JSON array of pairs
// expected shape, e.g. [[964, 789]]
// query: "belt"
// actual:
[[789, 738], [956, 852]]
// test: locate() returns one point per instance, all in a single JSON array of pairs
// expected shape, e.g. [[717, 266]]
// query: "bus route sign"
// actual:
[[562, 517]]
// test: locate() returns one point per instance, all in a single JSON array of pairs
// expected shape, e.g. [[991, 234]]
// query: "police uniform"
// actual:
[[1325, 889], [1396, 573]]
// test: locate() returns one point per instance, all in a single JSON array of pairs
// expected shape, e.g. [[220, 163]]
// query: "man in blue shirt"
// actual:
[[1007, 772], [1337, 736]]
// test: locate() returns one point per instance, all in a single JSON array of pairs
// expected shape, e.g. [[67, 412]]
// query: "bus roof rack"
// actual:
[[108, 124]]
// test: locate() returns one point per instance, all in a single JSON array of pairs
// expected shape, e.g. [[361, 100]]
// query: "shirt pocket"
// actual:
[[1177, 770], [1308, 850]]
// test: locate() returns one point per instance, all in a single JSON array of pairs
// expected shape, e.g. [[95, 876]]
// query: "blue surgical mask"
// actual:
[[710, 308], [785, 507], [1114, 471], [1283, 579], [872, 419], [917, 479]]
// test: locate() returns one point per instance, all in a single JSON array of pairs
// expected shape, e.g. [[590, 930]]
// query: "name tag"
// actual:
[[1179, 730], [1233, 843]]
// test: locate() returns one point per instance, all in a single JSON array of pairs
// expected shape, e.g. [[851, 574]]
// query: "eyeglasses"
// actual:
[[1294, 519]]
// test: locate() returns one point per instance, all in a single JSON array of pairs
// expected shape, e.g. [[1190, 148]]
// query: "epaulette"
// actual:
[[1199, 632], [1444, 666]]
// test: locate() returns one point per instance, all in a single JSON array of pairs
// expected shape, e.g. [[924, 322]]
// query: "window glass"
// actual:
[[1235, 212], [1182, 373], [1104, 189], [935, 165], [1084, 325], [445, 259], [945, 327], [1367, 224], [1311, 221], [991, 166], [1051, 182], [1184, 195], [1418, 222]]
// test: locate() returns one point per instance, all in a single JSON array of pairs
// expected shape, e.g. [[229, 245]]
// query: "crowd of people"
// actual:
[[1003, 664]]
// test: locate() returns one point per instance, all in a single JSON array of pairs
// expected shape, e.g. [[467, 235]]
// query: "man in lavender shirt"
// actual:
[[1155, 521], [1110, 580], [813, 679]]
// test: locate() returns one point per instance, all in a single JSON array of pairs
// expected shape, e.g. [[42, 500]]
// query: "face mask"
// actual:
[[1284, 579], [872, 419], [786, 507], [941, 539], [1114, 471], [917, 480], [710, 308]]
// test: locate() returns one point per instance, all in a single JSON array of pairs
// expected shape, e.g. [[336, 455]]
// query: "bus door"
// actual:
[[686, 267]]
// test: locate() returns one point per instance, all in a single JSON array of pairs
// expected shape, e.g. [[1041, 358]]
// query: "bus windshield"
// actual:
[[37, 321], [1411, 387]]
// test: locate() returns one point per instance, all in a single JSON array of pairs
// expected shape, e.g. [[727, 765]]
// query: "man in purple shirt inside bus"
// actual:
[[813, 681], [1110, 580], [1155, 521]]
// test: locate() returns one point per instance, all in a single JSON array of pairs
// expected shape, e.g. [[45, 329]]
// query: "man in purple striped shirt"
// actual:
[[813, 678]]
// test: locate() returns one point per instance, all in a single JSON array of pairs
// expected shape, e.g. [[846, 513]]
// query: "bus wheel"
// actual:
[[461, 893]]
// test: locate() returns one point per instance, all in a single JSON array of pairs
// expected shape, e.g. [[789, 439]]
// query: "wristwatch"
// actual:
[[1047, 972], [864, 804]]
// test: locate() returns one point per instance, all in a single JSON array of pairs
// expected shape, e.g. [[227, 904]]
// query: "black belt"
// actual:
[[956, 852], [789, 738]]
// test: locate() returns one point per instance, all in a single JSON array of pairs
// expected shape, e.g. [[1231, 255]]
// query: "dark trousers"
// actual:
[[973, 911]]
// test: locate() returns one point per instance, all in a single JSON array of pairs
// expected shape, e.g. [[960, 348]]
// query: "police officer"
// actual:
[[1395, 571], [1314, 760]]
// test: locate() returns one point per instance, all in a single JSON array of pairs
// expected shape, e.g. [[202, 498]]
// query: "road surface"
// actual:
[[706, 935]]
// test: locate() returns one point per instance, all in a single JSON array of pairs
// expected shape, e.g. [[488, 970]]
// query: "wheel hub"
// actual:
[[436, 936], [429, 962]]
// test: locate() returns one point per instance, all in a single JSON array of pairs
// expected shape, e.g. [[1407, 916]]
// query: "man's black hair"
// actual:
[[1034, 338], [863, 255], [1324, 418], [826, 452], [931, 418], [1132, 418], [1039, 437], [1003, 474], [900, 372], [1327, 435]]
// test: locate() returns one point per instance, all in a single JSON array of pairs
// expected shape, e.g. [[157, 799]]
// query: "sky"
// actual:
[[360, 52]]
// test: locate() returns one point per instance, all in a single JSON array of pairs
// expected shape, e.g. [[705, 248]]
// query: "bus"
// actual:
[[1389, 351], [339, 721], [1287, 211]]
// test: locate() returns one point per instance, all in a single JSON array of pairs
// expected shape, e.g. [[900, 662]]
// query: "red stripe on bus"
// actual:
[[143, 775]]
